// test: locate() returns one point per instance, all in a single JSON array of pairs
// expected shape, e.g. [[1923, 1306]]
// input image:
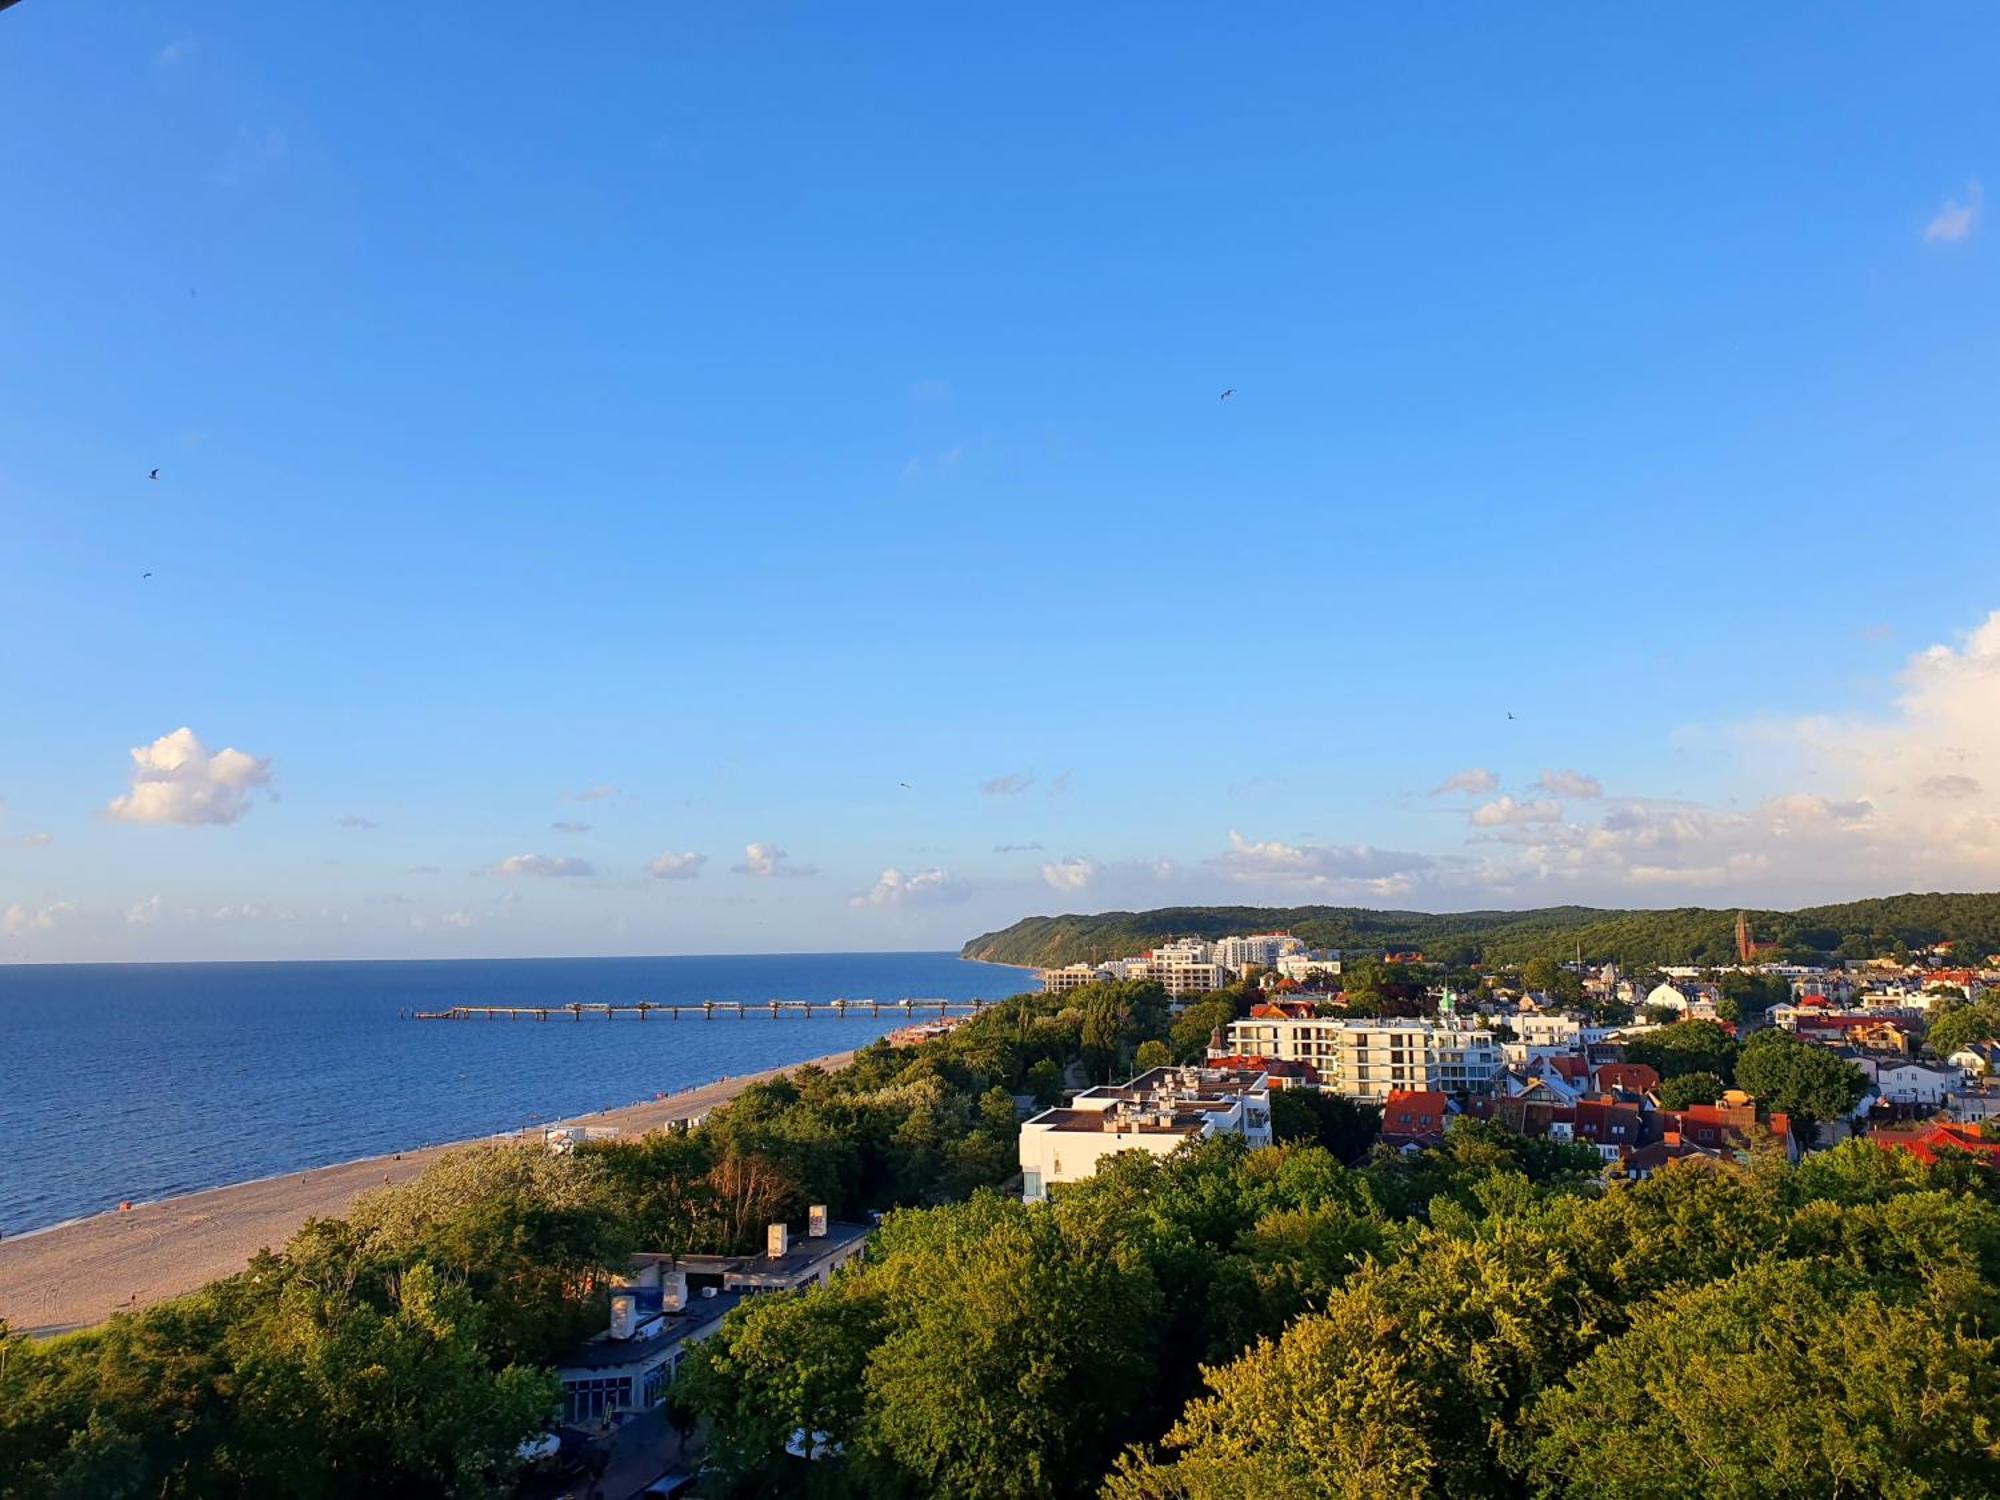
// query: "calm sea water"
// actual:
[[139, 1081]]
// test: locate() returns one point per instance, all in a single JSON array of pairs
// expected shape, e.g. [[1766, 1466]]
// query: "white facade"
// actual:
[[1917, 1083], [1369, 1059], [1185, 966], [1158, 1112], [1263, 949], [1074, 977], [1304, 966]]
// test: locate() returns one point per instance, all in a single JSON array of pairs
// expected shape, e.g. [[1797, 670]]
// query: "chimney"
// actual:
[[778, 1241], [673, 1291], [816, 1222], [624, 1314]]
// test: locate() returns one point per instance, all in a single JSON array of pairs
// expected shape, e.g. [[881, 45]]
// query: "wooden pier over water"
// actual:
[[706, 1010]]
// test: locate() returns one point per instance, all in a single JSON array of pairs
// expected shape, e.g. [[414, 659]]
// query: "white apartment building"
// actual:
[[1159, 1111], [1263, 949], [1302, 966], [1074, 977], [1186, 966], [1369, 1059]]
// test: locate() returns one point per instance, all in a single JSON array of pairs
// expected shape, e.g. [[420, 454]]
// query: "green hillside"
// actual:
[[1687, 934]]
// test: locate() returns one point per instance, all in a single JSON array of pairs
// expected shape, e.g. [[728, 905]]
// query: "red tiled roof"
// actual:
[[1410, 1113], [1633, 1078], [1926, 1145]]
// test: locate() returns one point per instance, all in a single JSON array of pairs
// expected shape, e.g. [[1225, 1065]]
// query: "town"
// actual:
[[1685, 1061]]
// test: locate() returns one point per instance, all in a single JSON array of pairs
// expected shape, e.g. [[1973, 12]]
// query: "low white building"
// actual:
[[1372, 1058], [1977, 1059], [1158, 1112], [1322, 963], [1906, 1081], [669, 1303]]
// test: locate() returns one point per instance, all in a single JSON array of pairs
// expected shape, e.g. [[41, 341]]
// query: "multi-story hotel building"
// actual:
[[1370, 1059]]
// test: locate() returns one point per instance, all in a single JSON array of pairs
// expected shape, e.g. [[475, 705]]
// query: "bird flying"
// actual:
[[145, 575], [154, 475], [1227, 394]]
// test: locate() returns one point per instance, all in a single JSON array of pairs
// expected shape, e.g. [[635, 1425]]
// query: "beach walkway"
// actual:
[[78, 1274]]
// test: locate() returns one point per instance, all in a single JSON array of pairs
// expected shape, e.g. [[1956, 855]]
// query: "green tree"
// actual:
[[1014, 1363], [1686, 1089], [1152, 1053], [1686, 1047], [780, 1366], [1803, 1080], [1799, 1391], [1962, 1025]]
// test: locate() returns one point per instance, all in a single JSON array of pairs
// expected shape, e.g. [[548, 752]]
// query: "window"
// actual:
[[587, 1400], [1031, 1186]]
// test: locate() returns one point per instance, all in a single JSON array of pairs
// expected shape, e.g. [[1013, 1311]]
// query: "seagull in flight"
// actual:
[[1227, 394], [154, 475], [904, 785], [1510, 713], [145, 575]]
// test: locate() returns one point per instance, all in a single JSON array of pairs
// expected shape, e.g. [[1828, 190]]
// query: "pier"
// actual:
[[706, 1010]]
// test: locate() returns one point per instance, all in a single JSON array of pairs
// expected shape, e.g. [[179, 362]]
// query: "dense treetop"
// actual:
[[1682, 935]]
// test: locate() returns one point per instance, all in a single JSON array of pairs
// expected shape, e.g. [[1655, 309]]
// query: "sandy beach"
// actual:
[[78, 1274]]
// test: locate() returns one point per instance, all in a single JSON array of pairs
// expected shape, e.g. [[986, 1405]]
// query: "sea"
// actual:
[[132, 1082]]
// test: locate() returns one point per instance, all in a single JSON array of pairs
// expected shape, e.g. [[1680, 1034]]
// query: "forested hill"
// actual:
[[1687, 934]]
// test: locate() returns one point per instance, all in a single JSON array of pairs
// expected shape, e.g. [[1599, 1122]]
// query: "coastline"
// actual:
[[76, 1274]]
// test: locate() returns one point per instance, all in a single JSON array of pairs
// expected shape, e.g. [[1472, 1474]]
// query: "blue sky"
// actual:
[[743, 411]]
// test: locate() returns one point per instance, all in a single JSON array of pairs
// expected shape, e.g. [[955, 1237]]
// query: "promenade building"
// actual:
[[1157, 1112], [1373, 1058]]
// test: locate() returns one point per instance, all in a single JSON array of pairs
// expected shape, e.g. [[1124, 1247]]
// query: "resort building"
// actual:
[[1186, 966], [1074, 977], [1159, 1111], [1371, 1059], [1263, 949]]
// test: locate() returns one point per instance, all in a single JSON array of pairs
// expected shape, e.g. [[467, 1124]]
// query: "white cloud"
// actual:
[[1017, 848], [1011, 785], [932, 887], [34, 840], [459, 918], [146, 913], [1955, 221], [596, 793], [1277, 863], [19, 920], [175, 53], [566, 826], [355, 820], [1075, 873], [542, 864], [1504, 812], [1476, 782], [1570, 784], [765, 860], [672, 866], [176, 780]]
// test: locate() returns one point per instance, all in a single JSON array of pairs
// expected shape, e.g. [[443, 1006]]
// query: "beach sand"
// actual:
[[78, 1274]]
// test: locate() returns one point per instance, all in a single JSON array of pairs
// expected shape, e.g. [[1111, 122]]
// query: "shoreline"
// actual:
[[80, 1272]]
